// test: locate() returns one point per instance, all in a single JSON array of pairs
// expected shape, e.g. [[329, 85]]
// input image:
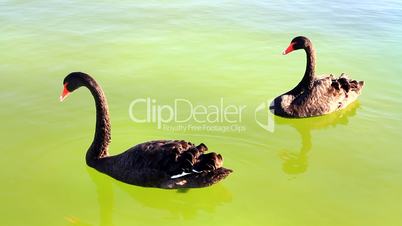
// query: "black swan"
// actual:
[[161, 163], [315, 96]]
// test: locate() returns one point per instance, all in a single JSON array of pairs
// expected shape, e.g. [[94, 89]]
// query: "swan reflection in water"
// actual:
[[180, 203], [297, 163]]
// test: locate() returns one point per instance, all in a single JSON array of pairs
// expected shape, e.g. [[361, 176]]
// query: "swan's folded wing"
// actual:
[[169, 156]]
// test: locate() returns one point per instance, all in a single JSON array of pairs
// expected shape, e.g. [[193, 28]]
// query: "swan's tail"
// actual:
[[347, 85], [198, 179], [347, 89], [199, 169], [195, 160]]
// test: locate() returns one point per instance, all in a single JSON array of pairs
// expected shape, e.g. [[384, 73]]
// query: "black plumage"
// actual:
[[161, 163], [315, 96]]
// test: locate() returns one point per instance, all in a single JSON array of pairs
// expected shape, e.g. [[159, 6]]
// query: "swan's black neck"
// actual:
[[100, 144], [308, 79]]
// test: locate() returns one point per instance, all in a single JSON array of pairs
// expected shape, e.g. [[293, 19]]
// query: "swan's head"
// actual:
[[72, 82], [300, 42]]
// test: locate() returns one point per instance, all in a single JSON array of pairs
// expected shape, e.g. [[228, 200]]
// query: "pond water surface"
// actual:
[[340, 169]]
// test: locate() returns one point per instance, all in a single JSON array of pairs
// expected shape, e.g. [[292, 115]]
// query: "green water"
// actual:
[[340, 169]]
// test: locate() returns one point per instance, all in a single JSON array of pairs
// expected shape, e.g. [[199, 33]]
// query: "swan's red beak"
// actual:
[[289, 49], [64, 93]]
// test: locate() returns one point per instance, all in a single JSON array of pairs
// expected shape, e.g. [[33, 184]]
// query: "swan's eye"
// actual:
[[64, 92]]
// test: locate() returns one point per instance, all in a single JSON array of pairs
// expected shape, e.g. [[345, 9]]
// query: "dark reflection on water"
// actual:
[[297, 163], [181, 203]]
